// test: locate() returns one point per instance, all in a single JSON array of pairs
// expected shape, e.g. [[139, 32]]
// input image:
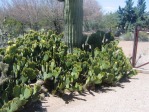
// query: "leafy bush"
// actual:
[[12, 27], [99, 38], [42, 56], [143, 36], [127, 36], [3, 40], [15, 97], [22, 94]]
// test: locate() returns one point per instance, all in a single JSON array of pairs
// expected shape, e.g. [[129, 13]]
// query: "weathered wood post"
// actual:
[[135, 45]]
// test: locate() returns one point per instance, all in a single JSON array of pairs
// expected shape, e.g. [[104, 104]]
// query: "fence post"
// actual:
[[135, 45]]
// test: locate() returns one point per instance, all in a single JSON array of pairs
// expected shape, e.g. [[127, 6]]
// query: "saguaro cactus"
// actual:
[[73, 17]]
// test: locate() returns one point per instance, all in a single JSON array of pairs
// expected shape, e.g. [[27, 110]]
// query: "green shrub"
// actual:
[[127, 36], [22, 94], [42, 56], [143, 36], [109, 65], [99, 38]]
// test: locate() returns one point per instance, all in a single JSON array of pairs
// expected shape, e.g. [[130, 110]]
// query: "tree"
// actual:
[[147, 20], [92, 15], [73, 18], [35, 14], [13, 27], [2, 17], [140, 10], [130, 16], [141, 7], [24, 11], [109, 22], [127, 16], [52, 12]]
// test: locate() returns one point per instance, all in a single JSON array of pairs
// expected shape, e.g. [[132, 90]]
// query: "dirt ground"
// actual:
[[142, 52], [130, 96]]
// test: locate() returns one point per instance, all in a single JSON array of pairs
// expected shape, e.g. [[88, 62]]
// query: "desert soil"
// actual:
[[142, 52], [130, 96]]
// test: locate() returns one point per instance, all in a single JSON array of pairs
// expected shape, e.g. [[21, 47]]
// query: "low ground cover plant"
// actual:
[[43, 56]]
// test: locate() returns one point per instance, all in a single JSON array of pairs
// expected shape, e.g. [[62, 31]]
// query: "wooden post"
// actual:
[[135, 45]]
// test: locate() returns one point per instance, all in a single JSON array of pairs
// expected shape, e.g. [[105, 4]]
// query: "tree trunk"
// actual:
[[73, 17]]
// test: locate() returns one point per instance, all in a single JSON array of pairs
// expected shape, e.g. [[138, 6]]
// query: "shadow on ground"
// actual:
[[72, 97], [98, 89], [37, 107]]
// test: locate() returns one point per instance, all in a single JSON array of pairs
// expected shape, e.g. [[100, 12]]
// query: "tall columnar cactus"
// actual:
[[73, 17]]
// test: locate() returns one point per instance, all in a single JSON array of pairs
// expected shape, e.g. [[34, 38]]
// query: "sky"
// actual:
[[112, 5]]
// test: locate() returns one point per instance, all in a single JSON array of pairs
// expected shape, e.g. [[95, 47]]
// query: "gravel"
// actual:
[[130, 96]]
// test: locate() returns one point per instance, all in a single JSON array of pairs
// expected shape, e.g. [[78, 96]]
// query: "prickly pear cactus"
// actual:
[[22, 94], [13, 105], [42, 56]]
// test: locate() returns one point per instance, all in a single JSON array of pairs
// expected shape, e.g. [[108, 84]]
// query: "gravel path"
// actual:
[[142, 52], [130, 96]]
